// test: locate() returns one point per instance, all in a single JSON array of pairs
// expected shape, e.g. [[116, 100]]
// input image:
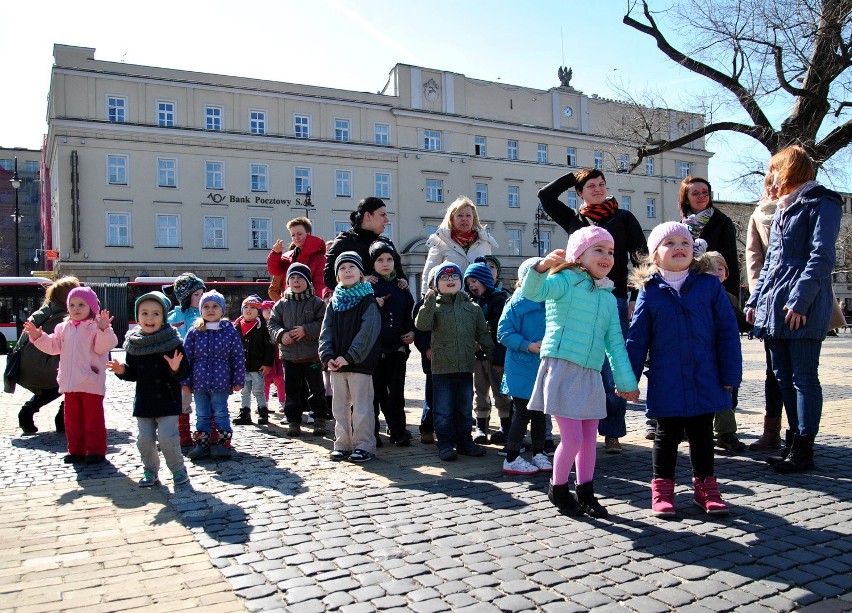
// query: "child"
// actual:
[[395, 306], [423, 342], [276, 373], [217, 368], [488, 371], [521, 330], [259, 353], [457, 325], [187, 290], [349, 347], [582, 328], [295, 328], [83, 342], [494, 266], [684, 327], [155, 361]]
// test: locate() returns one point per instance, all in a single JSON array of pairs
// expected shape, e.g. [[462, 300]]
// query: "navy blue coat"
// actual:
[[798, 266], [691, 343]]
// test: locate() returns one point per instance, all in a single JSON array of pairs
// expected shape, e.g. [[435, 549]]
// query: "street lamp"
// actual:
[[16, 185]]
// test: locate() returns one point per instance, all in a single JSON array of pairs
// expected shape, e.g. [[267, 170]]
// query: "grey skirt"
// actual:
[[565, 389]]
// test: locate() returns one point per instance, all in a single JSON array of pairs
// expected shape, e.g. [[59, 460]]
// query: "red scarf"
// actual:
[[464, 239], [602, 211]]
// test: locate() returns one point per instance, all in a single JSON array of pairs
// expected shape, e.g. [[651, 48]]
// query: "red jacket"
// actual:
[[312, 255]]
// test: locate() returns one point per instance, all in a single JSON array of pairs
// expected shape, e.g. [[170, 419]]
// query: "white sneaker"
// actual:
[[519, 467], [542, 462]]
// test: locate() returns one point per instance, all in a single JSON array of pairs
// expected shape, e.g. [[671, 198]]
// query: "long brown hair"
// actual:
[[794, 167], [57, 291]]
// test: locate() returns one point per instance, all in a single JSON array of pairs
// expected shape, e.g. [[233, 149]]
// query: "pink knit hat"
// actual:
[[584, 238], [87, 295], [669, 228]]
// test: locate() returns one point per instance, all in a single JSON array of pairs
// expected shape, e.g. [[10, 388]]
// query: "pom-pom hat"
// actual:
[[669, 228], [185, 286], [87, 295], [584, 238]]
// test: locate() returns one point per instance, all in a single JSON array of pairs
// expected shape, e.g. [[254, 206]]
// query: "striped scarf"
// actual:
[[345, 298]]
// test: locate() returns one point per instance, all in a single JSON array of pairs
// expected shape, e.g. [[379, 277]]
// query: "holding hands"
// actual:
[[630, 396]]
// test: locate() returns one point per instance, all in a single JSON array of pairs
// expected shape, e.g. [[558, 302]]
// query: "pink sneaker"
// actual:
[[662, 498], [707, 496]]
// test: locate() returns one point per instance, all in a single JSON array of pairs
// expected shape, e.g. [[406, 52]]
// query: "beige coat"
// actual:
[[757, 239]]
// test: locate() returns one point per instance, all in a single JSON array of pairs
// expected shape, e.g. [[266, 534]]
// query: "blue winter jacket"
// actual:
[[522, 323], [797, 270], [691, 343], [216, 359]]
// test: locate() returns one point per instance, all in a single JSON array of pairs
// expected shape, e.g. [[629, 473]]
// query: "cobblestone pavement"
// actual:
[[281, 527]]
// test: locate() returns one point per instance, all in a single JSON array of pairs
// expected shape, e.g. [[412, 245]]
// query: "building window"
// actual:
[[514, 196], [214, 233], [165, 114], [571, 156], [649, 166], [546, 240], [117, 109], [301, 126], [434, 190], [650, 208], [260, 229], [598, 160], [479, 147], [683, 169], [118, 229], [481, 194], [213, 118], [342, 226], [166, 172], [514, 242], [571, 199], [512, 150], [542, 153], [382, 185], [214, 175], [302, 180], [388, 232], [342, 130], [625, 202], [381, 134], [168, 231], [343, 183], [624, 162], [431, 140], [259, 177], [257, 122], [117, 169]]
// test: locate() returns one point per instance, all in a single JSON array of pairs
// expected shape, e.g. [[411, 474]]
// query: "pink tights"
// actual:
[[577, 445]]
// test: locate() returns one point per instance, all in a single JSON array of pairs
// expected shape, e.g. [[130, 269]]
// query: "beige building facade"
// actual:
[[155, 171]]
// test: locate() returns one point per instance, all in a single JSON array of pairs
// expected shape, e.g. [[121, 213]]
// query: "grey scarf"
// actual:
[[138, 343]]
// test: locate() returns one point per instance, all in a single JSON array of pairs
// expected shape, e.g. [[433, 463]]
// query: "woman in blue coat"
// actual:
[[792, 301]]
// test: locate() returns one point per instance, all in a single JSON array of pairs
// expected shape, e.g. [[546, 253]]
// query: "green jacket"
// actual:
[[456, 325]]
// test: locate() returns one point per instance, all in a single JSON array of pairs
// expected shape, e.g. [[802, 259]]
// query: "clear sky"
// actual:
[[348, 45]]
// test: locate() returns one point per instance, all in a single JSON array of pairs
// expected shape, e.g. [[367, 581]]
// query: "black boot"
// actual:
[[25, 419], [800, 458], [788, 442], [588, 503], [501, 436], [481, 434], [263, 416], [563, 499], [328, 412], [59, 420], [244, 418]]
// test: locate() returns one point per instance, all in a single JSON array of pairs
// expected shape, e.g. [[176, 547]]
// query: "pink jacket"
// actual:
[[83, 352]]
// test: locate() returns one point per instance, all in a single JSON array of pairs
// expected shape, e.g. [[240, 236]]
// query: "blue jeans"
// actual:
[[614, 424], [452, 395], [796, 366], [212, 403]]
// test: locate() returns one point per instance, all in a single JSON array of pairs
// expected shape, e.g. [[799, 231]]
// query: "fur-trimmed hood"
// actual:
[[640, 275]]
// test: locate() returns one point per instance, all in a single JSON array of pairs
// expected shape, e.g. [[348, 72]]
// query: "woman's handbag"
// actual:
[[13, 369], [837, 319]]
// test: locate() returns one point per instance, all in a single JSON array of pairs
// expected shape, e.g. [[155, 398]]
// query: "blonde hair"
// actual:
[[794, 167], [714, 257], [58, 290], [200, 323], [455, 207]]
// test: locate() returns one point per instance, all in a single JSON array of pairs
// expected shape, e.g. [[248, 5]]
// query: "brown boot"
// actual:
[[771, 437]]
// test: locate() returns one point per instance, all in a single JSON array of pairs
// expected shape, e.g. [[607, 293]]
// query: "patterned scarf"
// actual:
[[290, 295], [345, 298], [697, 221], [464, 239], [138, 343], [600, 212]]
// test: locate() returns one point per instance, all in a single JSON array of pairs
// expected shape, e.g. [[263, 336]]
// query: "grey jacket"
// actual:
[[286, 315]]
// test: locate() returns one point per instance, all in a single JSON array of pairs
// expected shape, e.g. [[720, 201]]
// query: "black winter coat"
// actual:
[[157, 387], [492, 303], [257, 346], [359, 241], [721, 235]]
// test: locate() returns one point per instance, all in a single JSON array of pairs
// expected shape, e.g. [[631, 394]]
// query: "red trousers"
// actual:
[[85, 428]]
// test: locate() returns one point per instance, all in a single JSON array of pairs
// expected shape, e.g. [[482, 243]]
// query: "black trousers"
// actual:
[[297, 374], [40, 399], [670, 431], [389, 392]]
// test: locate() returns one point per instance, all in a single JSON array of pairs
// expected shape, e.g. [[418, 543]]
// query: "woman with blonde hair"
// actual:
[[792, 302]]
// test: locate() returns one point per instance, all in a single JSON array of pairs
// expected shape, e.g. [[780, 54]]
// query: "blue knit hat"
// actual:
[[213, 296], [444, 268], [480, 272]]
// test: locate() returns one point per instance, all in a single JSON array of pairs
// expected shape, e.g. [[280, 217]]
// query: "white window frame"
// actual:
[[481, 190], [382, 185], [434, 190], [343, 183], [571, 198], [113, 223], [511, 150], [117, 107], [388, 231], [651, 208], [516, 236], [683, 169], [649, 166], [513, 196], [480, 146], [342, 130], [124, 167], [381, 133], [571, 156], [599, 162], [341, 225], [541, 151], [258, 178], [214, 118], [172, 231], [167, 173], [214, 169], [626, 202], [219, 239], [545, 239], [260, 237], [432, 140], [166, 117], [302, 179], [257, 121], [623, 162], [301, 125]]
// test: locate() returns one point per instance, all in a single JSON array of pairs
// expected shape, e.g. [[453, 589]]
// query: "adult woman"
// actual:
[[460, 239], [368, 223], [38, 370], [792, 302], [305, 248]]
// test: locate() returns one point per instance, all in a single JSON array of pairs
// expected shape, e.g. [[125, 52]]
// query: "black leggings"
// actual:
[[670, 431]]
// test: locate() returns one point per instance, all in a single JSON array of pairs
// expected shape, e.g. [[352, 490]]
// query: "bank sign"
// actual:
[[217, 198]]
